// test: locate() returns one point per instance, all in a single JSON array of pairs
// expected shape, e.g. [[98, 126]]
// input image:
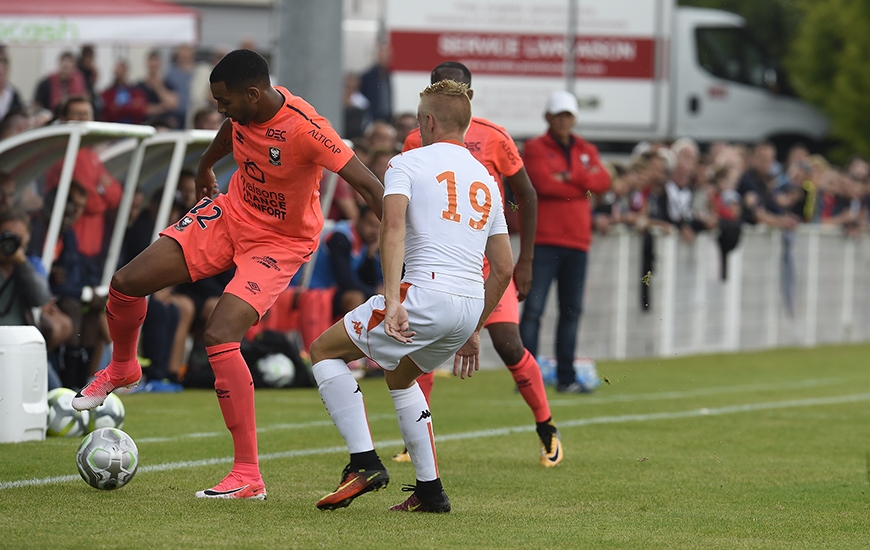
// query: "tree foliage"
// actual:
[[824, 45], [828, 65]]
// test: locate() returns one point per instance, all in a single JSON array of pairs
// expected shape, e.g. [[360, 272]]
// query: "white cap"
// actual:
[[562, 102]]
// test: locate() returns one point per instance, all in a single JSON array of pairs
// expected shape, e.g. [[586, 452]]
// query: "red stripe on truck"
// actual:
[[524, 54]]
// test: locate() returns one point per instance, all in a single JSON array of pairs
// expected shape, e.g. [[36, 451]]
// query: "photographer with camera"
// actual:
[[21, 285], [24, 286]]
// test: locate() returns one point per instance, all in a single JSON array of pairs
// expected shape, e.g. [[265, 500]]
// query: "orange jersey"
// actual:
[[489, 143], [276, 186]]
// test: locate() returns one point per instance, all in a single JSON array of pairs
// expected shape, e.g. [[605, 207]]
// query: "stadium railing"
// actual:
[[784, 289]]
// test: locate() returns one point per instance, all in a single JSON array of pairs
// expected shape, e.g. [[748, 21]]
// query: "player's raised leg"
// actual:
[[234, 387], [343, 398], [158, 266]]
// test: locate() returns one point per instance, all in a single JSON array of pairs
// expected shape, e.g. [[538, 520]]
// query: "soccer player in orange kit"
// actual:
[[495, 149], [267, 225]]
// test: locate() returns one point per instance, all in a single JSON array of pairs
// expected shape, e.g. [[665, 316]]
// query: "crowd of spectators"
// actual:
[[675, 187], [678, 188]]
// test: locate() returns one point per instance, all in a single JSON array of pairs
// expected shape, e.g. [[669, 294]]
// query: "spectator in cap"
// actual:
[[565, 170]]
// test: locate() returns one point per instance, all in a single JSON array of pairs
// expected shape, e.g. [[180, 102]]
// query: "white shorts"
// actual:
[[443, 323]]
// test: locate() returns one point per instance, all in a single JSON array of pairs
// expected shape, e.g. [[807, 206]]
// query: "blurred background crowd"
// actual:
[[672, 187]]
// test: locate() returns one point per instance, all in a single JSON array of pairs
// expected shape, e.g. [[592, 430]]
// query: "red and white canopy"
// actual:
[[101, 22]]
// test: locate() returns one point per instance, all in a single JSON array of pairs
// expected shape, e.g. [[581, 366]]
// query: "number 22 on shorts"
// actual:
[[201, 219], [483, 208]]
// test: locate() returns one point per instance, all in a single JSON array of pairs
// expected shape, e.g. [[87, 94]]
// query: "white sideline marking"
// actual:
[[595, 400], [731, 409], [272, 427], [573, 400]]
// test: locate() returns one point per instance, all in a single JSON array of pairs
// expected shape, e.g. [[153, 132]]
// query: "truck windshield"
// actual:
[[732, 53]]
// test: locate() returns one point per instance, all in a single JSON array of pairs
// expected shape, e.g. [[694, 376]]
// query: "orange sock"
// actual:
[[235, 392], [527, 375], [425, 382], [124, 315]]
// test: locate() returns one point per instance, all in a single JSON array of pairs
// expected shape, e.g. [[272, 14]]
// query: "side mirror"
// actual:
[[771, 80]]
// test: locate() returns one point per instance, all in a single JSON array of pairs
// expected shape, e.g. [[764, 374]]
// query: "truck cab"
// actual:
[[725, 87], [641, 69]]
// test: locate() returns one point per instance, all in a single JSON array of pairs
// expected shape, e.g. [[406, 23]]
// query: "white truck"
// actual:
[[641, 69]]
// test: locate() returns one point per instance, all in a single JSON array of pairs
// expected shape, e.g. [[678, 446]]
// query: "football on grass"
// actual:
[[108, 415], [63, 419], [107, 458]]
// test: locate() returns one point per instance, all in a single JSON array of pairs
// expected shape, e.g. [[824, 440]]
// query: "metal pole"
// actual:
[[168, 197], [307, 59], [123, 215], [63, 185], [571, 45]]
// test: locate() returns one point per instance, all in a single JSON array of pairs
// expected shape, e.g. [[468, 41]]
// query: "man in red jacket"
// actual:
[[104, 191], [565, 170]]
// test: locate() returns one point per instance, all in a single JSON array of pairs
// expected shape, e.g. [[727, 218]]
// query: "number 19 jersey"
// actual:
[[454, 207]]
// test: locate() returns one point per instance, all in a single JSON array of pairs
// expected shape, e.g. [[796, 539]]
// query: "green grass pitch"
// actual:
[[755, 450]]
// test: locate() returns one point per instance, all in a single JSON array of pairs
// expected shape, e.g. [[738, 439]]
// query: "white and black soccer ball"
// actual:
[[277, 370], [63, 419], [107, 458], [108, 415]]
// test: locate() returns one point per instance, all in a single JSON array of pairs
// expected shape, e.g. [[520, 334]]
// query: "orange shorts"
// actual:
[[214, 241], [508, 308]]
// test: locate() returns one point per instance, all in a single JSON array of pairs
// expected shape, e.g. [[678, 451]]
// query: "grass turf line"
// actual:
[[773, 477]]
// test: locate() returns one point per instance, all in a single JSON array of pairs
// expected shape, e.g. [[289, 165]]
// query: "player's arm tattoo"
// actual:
[[221, 146]]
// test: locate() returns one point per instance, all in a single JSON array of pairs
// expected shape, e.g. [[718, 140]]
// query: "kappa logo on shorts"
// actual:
[[267, 262], [275, 156], [183, 222], [253, 287], [358, 328]]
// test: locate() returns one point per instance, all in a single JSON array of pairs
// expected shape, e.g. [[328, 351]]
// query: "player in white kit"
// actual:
[[442, 214]]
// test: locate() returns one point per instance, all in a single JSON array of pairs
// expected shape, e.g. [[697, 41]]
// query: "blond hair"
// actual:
[[448, 103]]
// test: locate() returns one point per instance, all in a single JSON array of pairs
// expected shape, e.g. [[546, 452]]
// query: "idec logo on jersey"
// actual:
[[473, 146], [277, 135]]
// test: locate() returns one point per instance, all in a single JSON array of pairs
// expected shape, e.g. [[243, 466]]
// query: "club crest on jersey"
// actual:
[[183, 222], [274, 156]]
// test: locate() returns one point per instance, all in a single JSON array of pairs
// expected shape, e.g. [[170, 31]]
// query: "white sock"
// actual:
[[415, 423], [344, 402]]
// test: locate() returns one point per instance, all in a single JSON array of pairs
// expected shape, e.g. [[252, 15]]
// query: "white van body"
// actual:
[[644, 69]]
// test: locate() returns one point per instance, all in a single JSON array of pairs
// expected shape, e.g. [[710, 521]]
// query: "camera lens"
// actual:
[[9, 243]]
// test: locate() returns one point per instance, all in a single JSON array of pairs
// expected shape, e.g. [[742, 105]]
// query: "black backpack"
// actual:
[[274, 361]]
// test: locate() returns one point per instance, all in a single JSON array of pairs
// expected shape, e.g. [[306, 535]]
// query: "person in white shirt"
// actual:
[[442, 213]]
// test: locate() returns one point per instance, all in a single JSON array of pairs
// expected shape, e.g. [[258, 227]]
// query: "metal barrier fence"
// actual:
[[784, 289]]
